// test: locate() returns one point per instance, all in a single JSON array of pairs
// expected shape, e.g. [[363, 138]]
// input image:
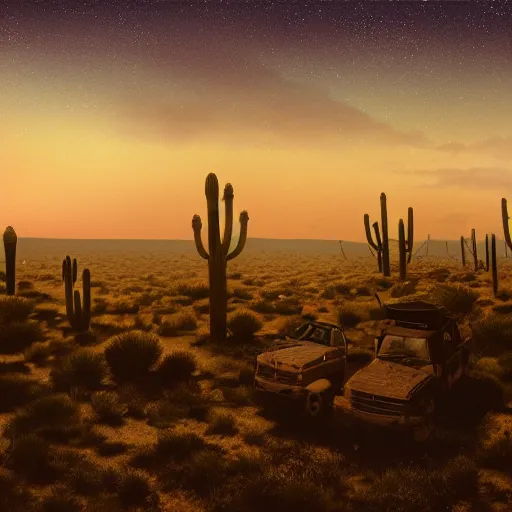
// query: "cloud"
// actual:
[[490, 178], [499, 147], [222, 92]]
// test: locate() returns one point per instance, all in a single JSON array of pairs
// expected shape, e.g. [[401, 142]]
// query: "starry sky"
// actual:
[[112, 113]]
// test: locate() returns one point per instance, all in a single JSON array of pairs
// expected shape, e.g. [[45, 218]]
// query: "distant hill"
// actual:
[[58, 248]]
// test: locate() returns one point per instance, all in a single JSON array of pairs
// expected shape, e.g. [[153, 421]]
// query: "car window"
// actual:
[[338, 340], [319, 336], [399, 345]]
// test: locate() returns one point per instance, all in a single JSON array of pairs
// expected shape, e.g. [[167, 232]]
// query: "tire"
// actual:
[[318, 404]]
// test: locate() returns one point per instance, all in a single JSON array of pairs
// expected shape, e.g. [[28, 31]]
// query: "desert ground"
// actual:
[[189, 434]]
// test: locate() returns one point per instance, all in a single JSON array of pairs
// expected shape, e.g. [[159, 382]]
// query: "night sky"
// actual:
[[116, 111]]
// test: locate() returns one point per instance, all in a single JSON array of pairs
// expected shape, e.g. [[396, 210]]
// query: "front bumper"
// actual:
[[277, 388], [348, 414]]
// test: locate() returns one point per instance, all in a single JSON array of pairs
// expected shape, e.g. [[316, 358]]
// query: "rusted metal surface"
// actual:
[[297, 356], [382, 378]]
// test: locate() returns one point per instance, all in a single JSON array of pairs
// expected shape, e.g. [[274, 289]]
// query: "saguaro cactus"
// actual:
[[402, 250], [218, 251], [506, 229], [462, 252], [381, 245], [494, 265], [487, 253], [79, 316], [474, 250], [10, 242], [410, 232]]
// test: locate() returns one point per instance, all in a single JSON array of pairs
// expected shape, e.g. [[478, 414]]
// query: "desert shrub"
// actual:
[[100, 306], [240, 396], [401, 289], [456, 298], [16, 336], [242, 293], [489, 365], [185, 322], [123, 308], [349, 314], [288, 326], [244, 324], [17, 390], [504, 294], [492, 334], [141, 324], [167, 329], [416, 489], [45, 415], [177, 366], [494, 448], [505, 362], [222, 423], [235, 276], [31, 457], [47, 314], [61, 499], [132, 354], [175, 404], [135, 490], [177, 445], [14, 497], [195, 290], [15, 309], [108, 407], [281, 307], [329, 293], [82, 369], [134, 401]]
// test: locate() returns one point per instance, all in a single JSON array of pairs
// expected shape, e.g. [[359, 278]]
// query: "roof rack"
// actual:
[[418, 314]]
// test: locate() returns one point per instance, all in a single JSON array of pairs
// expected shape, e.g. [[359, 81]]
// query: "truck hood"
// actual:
[[297, 356], [390, 379]]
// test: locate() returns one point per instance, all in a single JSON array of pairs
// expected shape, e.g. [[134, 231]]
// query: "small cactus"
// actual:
[[218, 254], [10, 242], [79, 316]]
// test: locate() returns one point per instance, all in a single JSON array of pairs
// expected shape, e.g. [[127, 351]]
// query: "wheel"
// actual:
[[317, 404]]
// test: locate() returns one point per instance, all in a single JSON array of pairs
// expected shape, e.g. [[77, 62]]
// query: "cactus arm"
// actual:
[[244, 219], [197, 226], [86, 313], [377, 246], [75, 271], [228, 221], [505, 217], [410, 233]]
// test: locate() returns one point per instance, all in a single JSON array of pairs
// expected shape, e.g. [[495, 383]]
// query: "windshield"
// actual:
[[398, 346]]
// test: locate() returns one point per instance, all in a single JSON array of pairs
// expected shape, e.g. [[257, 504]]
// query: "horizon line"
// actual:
[[248, 238]]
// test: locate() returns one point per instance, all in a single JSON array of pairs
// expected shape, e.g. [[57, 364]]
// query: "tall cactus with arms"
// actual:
[[218, 254], [79, 316], [382, 244]]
